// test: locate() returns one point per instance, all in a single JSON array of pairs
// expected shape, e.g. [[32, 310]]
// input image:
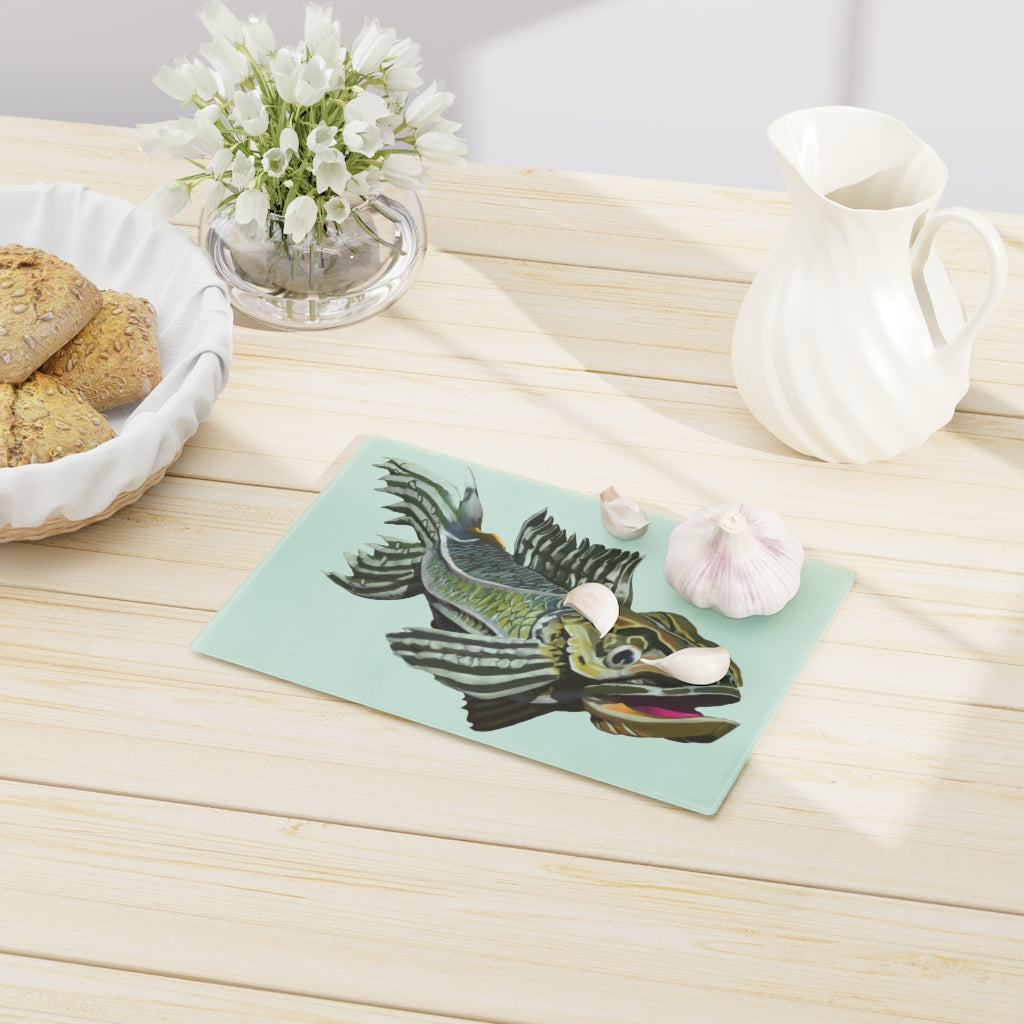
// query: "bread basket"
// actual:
[[119, 246]]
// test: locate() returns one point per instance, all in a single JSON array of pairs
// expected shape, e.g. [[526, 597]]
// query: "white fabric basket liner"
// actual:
[[117, 245]]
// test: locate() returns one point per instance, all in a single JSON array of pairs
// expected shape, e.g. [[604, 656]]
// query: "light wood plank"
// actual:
[[190, 527], [132, 174], [593, 349], [180, 544], [484, 313], [834, 800], [575, 218], [53, 992], [345, 913], [699, 440], [587, 219], [315, 389]]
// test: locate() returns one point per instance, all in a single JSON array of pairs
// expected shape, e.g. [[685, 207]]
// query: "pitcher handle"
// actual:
[[995, 250]]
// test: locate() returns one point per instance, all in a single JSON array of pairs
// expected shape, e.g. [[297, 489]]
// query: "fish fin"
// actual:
[[478, 666], [386, 571], [542, 545], [426, 502], [488, 715]]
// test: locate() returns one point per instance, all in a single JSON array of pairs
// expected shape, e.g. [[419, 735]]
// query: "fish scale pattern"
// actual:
[[495, 606]]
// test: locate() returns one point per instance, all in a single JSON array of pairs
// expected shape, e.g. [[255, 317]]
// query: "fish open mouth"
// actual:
[[656, 715]]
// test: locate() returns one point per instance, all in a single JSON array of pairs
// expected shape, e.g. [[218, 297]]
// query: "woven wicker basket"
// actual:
[[58, 524], [119, 246]]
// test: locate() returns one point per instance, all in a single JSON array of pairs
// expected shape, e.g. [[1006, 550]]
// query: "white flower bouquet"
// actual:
[[305, 132]]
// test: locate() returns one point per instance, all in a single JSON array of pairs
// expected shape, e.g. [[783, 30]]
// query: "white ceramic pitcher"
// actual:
[[851, 344]]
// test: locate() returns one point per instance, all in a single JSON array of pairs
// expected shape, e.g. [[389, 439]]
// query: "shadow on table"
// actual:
[[1002, 437], [664, 343], [895, 802]]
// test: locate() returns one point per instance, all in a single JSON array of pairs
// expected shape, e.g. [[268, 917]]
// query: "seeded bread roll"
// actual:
[[42, 420], [115, 358], [6, 422], [44, 302]]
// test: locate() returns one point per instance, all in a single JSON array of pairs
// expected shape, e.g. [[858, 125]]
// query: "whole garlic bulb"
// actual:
[[736, 558]]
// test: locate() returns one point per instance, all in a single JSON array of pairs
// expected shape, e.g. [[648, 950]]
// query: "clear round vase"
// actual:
[[352, 271]]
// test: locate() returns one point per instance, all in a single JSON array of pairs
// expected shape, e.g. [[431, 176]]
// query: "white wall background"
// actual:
[[678, 89]]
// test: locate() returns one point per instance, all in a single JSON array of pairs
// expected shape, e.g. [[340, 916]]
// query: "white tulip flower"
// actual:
[[404, 74], [372, 46], [167, 200], [318, 24], [165, 138], [330, 171], [215, 195], [258, 37], [366, 182], [252, 206], [187, 137], [299, 218], [249, 113], [227, 60], [275, 161], [176, 82], [220, 162], [313, 83], [405, 170], [323, 35], [428, 106], [337, 209], [221, 23], [365, 128], [361, 137], [300, 81], [289, 141], [321, 137], [207, 137], [440, 147], [369, 107], [285, 68], [188, 79], [242, 170], [207, 84]]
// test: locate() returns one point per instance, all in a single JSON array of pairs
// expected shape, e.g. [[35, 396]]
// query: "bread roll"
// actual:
[[6, 422], [115, 358], [42, 420], [44, 302]]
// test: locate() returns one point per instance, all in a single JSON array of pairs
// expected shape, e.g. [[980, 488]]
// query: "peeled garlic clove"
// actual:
[[596, 603], [698, 666], [737, 558], [622, 517]]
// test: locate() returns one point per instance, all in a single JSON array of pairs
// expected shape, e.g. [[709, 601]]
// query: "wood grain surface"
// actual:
[[185, 840]]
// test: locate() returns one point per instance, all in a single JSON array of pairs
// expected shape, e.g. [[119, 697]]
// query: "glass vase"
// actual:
[[354, 270]]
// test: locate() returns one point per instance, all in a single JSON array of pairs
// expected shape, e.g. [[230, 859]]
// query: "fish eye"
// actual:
[[624, 654]]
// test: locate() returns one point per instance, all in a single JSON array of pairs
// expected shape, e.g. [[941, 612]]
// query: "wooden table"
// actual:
[[185, 840]]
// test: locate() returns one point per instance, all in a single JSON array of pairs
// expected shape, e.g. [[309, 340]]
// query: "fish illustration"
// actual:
[[502, 633]]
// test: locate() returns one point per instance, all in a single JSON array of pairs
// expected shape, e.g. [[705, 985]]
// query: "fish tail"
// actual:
[[385, 572]]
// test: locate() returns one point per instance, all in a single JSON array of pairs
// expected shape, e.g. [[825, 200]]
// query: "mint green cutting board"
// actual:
[[289, 620]]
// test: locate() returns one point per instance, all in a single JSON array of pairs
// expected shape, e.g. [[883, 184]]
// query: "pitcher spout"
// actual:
[[857, 159]]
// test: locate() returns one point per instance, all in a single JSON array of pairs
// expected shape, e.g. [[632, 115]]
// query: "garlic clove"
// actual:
[[622, 517], [698, 666], [596, 603], [737, 558]]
